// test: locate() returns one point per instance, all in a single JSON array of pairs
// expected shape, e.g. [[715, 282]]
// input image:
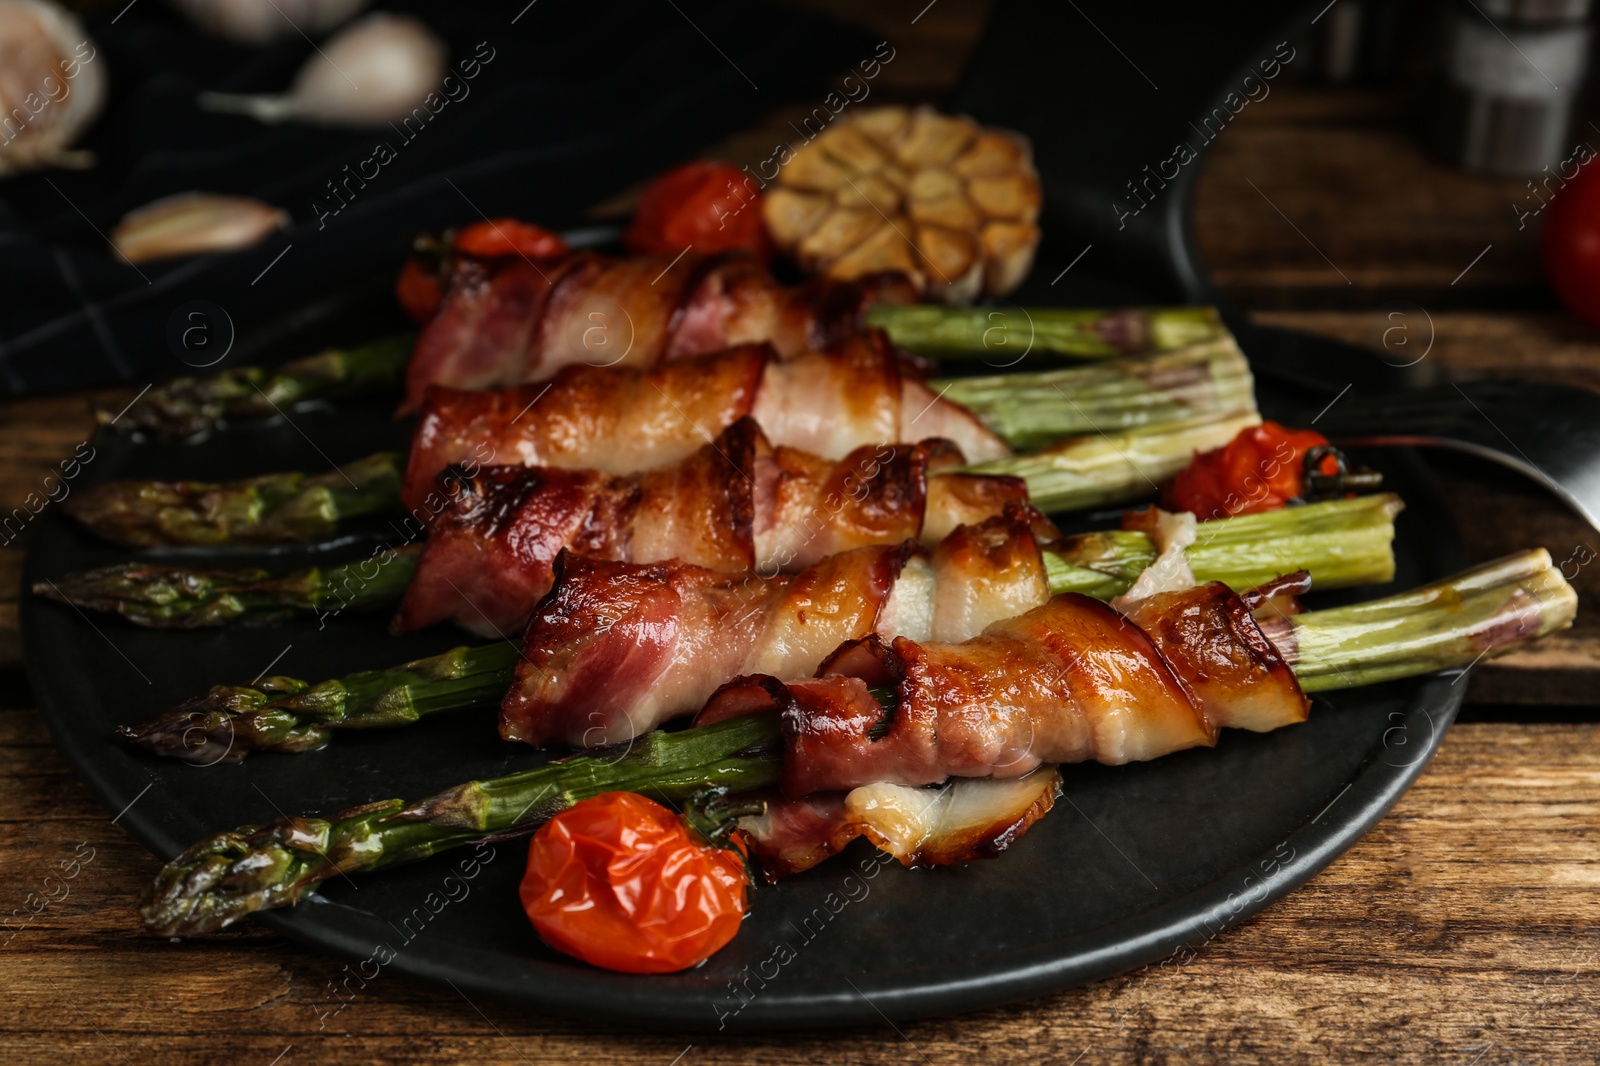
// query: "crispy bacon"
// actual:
[[623, 419], [1232, 672], [509, 321], [616, 649], [1069, 681], [736, 504], [973, 818]]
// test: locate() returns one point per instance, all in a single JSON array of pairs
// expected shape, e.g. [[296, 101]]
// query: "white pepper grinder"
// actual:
[[1510, 75]]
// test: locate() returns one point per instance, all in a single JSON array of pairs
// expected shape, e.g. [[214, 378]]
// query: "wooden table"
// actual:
[[1464, 929]]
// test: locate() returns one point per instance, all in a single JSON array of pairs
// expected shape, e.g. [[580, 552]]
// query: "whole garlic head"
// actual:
[[260, 21], [52, 86]]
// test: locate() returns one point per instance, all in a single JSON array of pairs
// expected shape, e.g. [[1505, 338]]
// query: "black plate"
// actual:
[[1134, 863]]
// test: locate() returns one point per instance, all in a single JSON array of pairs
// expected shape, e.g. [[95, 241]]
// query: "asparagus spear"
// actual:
[[1002, 336], [177, 597], [271, 509], [1031, 410], [1450, 624], [189, 405], [1026, 410], [227, 876], [193, 404], [1340, 542], [1083, 472], [1105, 468]]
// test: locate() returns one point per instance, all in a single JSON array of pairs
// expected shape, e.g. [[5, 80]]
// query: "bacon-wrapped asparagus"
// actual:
[[1452, 623], [736, 504], [619, 420], [618, 647], [616, 650], [509, 320], [1101, 469]]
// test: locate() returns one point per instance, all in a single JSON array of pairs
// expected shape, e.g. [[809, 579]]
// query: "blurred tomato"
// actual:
[[1572, 242]]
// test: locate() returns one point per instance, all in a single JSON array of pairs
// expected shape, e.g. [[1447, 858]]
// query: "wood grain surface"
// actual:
[[1463, 929]]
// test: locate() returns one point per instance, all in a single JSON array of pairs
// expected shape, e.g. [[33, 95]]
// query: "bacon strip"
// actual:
[[973, 818], [510, 321], [616, 649], [1069, 681], [1232, 672], [622, 419], [735, 504]]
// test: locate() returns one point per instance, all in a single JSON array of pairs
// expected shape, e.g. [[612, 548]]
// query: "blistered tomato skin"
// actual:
[[503, 237], [620, 882], [709, 207], [1261, 469]]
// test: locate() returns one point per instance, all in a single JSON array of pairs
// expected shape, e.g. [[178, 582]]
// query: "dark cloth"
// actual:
[[579, 100]]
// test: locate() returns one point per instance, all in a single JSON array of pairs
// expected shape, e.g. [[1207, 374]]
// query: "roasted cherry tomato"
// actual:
[[419, 289], [710, 207], [621, 882], [498, 237], [1261, 469], [1572, 242]]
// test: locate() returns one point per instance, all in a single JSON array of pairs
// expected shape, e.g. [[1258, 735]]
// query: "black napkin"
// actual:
[[570, 101]]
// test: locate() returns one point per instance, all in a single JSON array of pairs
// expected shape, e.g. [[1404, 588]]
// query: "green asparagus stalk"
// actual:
[[1339, 542], [1025, 410], [185, 406], [227, 876], [1003, 336], [1105, 468], [192, 405], [1453, 623], [1450, 624], [272, 509], [176, 597], [289, 715], [1029, 411]]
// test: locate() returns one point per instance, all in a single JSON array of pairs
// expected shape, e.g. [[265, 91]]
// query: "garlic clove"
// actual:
[[52, 86], [260, 21], [192, 223], [378, 69]]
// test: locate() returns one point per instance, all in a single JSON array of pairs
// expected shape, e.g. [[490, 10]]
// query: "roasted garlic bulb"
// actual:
[[939, 198]]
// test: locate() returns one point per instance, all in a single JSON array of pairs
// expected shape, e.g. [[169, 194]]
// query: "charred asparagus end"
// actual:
[[176, 597], [271, 509], [288, 715], [227, 876], [224, 726], [185, 406]]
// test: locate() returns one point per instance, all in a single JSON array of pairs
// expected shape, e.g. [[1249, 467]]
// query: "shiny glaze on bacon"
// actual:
[[622, 419], [510, 321], [1072, 680], [616, 649], [736, 504], [972, 818]]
